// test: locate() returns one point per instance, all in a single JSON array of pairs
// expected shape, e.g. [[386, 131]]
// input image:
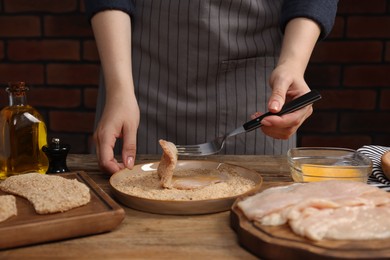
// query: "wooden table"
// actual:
[[144, 235]]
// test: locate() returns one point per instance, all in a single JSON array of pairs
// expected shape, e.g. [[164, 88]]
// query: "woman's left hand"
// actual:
[[287, 82], [287, 85]]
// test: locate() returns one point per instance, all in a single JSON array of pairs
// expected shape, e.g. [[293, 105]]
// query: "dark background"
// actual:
[[49, 44]]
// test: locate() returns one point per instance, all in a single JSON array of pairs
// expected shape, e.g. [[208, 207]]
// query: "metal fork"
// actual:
[[217, 144]]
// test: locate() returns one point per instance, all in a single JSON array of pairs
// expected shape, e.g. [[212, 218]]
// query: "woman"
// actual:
[[189, 71]]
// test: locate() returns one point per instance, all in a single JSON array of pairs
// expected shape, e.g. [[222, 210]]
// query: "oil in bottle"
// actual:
[[22, 135]]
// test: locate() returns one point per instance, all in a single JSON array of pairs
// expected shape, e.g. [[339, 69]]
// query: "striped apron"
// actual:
[[201, 68]]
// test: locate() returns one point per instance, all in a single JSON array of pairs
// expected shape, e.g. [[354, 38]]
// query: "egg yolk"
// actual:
[[312, 172]]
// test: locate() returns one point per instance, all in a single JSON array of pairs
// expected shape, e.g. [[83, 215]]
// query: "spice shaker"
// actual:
[[57, 152]]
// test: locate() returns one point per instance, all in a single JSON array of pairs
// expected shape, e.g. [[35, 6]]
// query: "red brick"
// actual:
[[54, 97], [365, 122], [319, 75], [20, 26], [1, 50], [43, 113], [30, 73], [90, 97], [361, 6], [347, 99], [3, 97], [29, 50], [78, 142], [91, 144], [72, 74], [382, 139], [82, 6], [69, 25], [69, 121], [320, 122], [11, 6], [385, 100], [347, 51], [375, 75], [90, 51], [338, 28], [345, 141], [368, 27], [387, 55]]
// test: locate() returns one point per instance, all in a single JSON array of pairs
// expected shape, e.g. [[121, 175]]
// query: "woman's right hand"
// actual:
[[120, 119]]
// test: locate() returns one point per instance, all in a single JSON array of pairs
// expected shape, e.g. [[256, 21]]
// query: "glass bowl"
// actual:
[[309, 164]]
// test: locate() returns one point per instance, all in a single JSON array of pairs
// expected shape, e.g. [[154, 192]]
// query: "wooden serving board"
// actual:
[[279, 242], [101, 214]]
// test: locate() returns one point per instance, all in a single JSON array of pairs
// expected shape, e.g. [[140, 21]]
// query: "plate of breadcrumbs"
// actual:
[[197, 187]]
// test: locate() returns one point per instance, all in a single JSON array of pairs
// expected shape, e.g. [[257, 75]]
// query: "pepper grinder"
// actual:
[[56, 153]]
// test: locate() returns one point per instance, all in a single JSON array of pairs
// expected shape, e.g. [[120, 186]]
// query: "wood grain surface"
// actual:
[[279, 242], [101, 214], [152, 236]]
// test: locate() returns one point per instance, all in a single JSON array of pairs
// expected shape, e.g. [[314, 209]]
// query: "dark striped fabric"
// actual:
[[201, 68], [375, 152]]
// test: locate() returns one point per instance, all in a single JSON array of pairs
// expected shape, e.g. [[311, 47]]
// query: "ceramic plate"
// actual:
[[181, 207]]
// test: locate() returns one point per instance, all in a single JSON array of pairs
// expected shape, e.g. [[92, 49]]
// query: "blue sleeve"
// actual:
[[94, 6], [322, 12]]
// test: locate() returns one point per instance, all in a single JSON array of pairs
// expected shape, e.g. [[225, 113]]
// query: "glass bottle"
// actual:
[[22, 135]]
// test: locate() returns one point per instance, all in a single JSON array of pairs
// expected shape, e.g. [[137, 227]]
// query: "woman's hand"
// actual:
[[287, 84], [112, 30], [287, 79], [120, 119]]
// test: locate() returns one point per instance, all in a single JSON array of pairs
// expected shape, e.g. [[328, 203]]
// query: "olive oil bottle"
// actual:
[[22, 135]]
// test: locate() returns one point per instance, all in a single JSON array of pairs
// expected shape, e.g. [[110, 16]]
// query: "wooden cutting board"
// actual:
[[101, 214], [279, 242]]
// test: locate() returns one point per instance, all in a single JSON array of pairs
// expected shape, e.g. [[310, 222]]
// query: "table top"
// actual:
[[146, 235]]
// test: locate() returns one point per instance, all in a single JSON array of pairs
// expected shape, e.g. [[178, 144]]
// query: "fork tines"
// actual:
[[192, 149]]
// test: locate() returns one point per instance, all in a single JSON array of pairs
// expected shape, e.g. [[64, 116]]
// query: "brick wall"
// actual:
[[50, 45], [352, 71]]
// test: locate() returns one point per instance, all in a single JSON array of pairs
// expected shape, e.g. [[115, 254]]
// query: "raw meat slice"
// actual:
[[167, 164], [166, 168], [323, 210], [275, 199], [353, 223]]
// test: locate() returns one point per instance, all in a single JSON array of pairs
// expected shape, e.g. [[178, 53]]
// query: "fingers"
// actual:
[[286, 85], [280, 84], [276, 100], [282, 127], [120, 119], [105, 154], [129, 148]]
